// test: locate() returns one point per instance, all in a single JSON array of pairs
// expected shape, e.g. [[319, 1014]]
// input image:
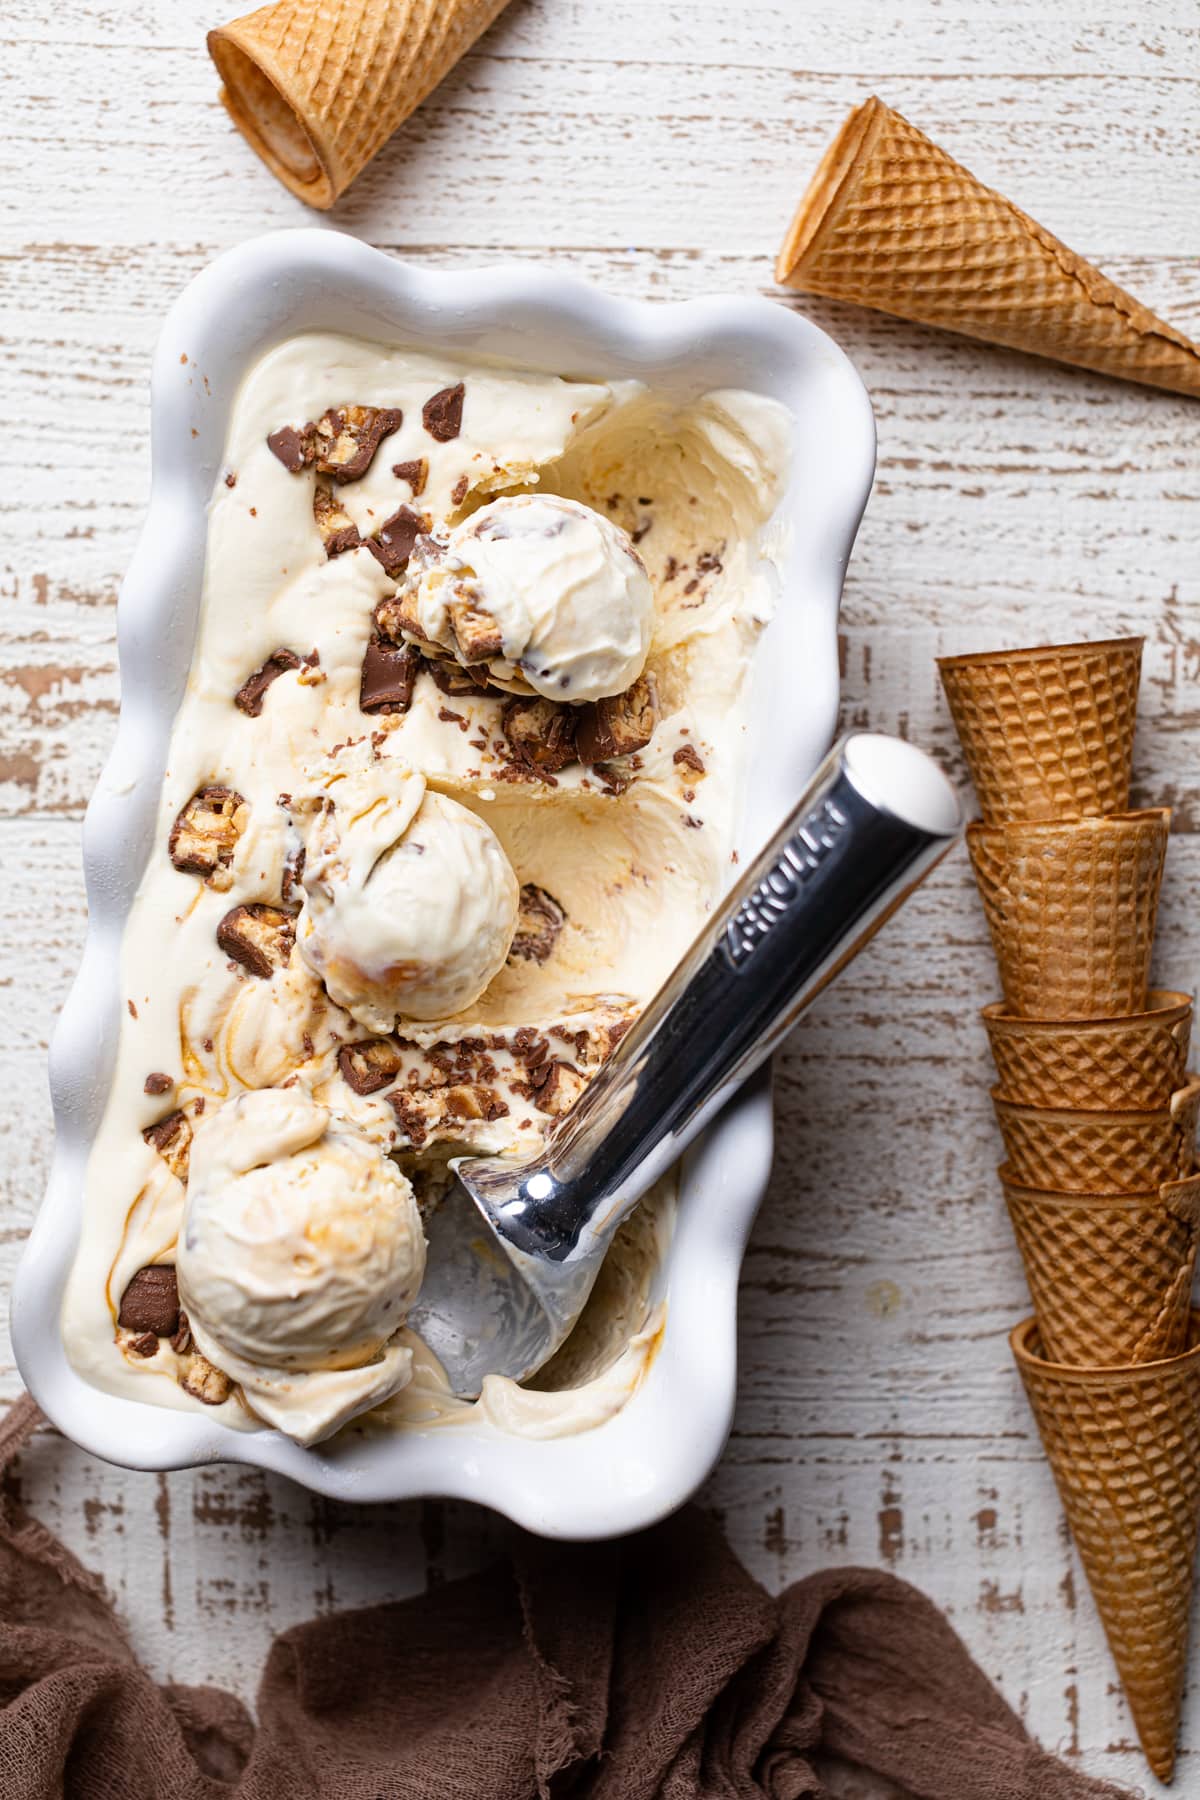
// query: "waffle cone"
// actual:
[[1072, 1152], [1102, 1065], [318, 88], [891, 221], [1047, 734], [1110, 1275], [1071, 907], [1124, 1445]]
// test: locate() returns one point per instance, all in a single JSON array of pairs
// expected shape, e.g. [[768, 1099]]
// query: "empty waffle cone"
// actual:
[[319, 87], [1071, 907], [1047, 734], [1072, 1152], [1103, 1065], [1124, 1445], [891, 221], [1110, 1275]]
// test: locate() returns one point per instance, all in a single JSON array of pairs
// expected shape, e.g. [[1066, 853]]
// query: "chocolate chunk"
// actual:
[[258, 937], [458, 492], [540, 733], [389, 674], [397, 535], [557, 1088], [172, 1138], [620, 725], [370, 1065], [410, 1117], [476, 633], [540, 918], [205, 834], [146, 1345], [415, 473], [249, 697], [472, 1102], [293, 875], [181, 1342], [689, 758], [442, 413], [151, 1301], [338, 531], [347, 438], [295, 449], [157, 1083], [206, 1382]]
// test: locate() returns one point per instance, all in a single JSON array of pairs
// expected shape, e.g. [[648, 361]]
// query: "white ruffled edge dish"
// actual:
[[649, 1456]]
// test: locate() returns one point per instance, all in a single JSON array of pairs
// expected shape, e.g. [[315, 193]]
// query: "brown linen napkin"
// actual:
[[654, 1668]]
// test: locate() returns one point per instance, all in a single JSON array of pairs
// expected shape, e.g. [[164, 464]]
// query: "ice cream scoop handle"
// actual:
[[877, 816]]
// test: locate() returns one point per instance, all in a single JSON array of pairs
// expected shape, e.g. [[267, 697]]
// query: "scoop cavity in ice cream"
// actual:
[[549, 594], [301, 1252], [410, 902]]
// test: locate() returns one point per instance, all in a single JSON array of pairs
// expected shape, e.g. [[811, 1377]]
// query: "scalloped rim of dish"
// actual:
[[652, 1453]]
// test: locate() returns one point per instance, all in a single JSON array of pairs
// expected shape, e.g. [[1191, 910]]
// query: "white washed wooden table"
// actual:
[[656, 147]]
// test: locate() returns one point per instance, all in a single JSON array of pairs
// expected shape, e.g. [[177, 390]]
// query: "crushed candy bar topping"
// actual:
[[556, 1087], [347, 437], [205, 834], [416, 474], [540, 734], [369, 1066], [206, 1382], [689, 758], [393, 545], [618, 726], [389, 675], [151, 1302], [295, 449], [157, 1083], [540, 919], [172, 1138], [338, 531], [442, 413], [249, 697], [258, 937]]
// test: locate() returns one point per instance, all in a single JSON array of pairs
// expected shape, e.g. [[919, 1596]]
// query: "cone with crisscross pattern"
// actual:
[[319, 86], [891, 221], [1124, 1445], [1072, 1152], [1071, 908], [1047, 733], [1110, 1275], [1099, 1065]]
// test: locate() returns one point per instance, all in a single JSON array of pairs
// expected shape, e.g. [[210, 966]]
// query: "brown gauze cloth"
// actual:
[[654, 1668]]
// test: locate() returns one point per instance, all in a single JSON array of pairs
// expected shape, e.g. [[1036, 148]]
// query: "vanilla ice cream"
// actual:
[[472, 659], [549, 594], [301, 1251], [411, 904]]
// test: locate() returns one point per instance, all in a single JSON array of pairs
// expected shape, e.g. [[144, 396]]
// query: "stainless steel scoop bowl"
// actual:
[[515, 1247]]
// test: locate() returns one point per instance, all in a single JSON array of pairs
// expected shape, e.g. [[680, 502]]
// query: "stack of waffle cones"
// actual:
[[1098, 1117]]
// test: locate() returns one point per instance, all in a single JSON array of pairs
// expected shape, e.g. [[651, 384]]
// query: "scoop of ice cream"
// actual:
[[301, 1248], [411, 904], [552, 596]]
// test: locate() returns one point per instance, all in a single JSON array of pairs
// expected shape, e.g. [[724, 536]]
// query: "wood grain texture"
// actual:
[[657, 148]]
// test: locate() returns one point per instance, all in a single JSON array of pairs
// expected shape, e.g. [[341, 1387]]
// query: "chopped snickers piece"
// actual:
[[458, 492], [415, 473], [157, 1083], [689, 758], [396, 616], [476, 633], [540, 918], [293, 875], [618, 726], [410, 1117], [249, 697], [205, 1382], [397, 535], [453, 679], [181, 1342], [338, 530], [540, 733], [557, 1087], [389, 674], [151, 1301], [204, 836], [172, 1138], [347, 438], [258, 937], [146, 1345], [470, 1101], [370, 1065], [295, 449], [442, 413]]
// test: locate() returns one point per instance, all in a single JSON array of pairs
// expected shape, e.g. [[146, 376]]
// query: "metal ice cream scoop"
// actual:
[[515, 1247]]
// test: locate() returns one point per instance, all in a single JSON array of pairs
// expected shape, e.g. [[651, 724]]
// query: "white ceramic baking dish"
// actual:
[[648, 1457]]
